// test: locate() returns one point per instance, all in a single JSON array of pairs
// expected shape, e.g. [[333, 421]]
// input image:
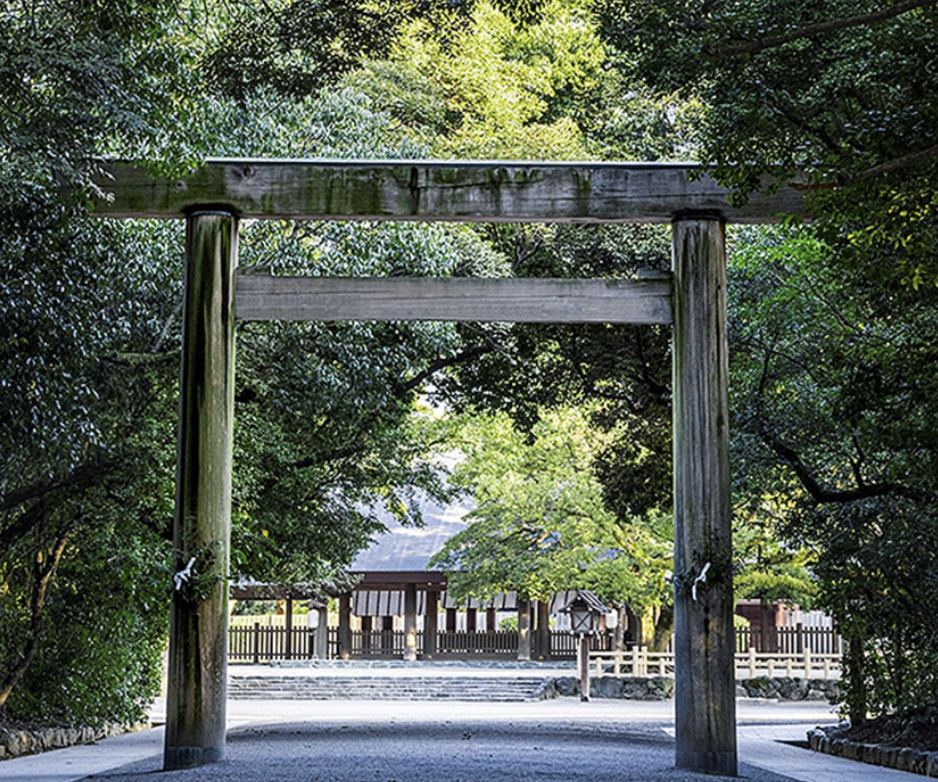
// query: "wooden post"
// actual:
[[583, 663], [321, 651], [198, 658], [431, 624], [542, 630], [288, 641], [524, 629], [366, 635], [491, 620], [705, 689], [387, 635], [345, 626], [410, 622]]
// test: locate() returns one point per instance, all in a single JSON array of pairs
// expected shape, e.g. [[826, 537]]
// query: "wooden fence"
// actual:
[[638, 661], [262, 643], [493, 643], [789, 640]]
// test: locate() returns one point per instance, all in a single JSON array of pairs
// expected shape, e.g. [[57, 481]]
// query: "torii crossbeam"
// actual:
[[214, 196]]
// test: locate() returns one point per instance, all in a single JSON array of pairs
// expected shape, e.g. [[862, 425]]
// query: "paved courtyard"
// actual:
[[458, 749], [395, 741]]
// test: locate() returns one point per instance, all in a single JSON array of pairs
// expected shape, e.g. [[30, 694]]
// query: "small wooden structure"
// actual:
[[585, 610], [215, 196]]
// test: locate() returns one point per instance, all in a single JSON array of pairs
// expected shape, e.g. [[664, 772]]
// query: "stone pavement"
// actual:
[[393, 741]]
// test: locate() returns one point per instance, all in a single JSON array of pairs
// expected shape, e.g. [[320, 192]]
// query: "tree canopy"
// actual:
[[842, 92], [541, 524], [833, 399], [831, 325]]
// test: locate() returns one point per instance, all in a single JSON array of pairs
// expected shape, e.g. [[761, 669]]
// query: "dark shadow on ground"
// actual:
[[439, 751]]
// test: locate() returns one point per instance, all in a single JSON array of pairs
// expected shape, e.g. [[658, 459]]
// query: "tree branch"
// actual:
[[896, 164], [24, 523], [443, 363], [821, 28], [821, 495], [80, 475]]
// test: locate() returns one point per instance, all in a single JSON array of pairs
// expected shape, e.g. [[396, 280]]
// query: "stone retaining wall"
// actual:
[[636, 688], [915, 761], [656, 688], [788, 689], [15, 742]]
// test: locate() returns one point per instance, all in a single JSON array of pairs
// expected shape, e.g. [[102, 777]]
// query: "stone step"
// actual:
[[475, 688]]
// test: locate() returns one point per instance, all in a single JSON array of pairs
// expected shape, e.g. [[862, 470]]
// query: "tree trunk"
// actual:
[[44, 570], [664, 629], [857, 697]]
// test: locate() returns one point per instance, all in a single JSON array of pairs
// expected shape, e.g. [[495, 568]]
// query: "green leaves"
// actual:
[[790, 88], [540, 524], [834, 446]]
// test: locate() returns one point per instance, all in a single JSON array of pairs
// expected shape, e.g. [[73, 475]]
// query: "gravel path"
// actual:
[[439, 750]]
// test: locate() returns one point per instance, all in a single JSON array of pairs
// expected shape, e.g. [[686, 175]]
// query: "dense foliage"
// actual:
[[541, 525], [834, 396], [832, 327], [90, 355], [85, 472], [841, 91]]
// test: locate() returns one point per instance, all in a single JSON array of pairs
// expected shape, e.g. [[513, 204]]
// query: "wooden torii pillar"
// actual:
[[198, 648], [468, 191], [704, 648]]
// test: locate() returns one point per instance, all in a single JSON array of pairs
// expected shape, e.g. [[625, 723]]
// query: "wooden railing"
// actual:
[[496, 643], [263, 643], [259, 644], [789, 640], [751, 664], [815, 650], [380, 643]]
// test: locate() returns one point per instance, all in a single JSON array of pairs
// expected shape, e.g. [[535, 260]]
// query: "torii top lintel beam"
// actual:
[[429, 190]]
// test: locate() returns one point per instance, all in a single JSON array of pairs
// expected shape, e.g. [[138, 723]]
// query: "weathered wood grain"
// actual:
[[474, 191], [453, 299], [705, 688], [198, 651]]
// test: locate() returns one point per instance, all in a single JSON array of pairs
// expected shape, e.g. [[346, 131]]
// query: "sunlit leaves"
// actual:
[[835, 375], [851, 106], [540, 524]]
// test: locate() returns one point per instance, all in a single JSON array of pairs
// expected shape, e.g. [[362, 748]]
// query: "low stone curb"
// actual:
[[657, 688], [635, 688], [788, 688], [14, 743], [915, 761]]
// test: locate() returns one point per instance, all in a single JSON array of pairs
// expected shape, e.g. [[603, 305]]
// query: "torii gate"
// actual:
[[216, 195]]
